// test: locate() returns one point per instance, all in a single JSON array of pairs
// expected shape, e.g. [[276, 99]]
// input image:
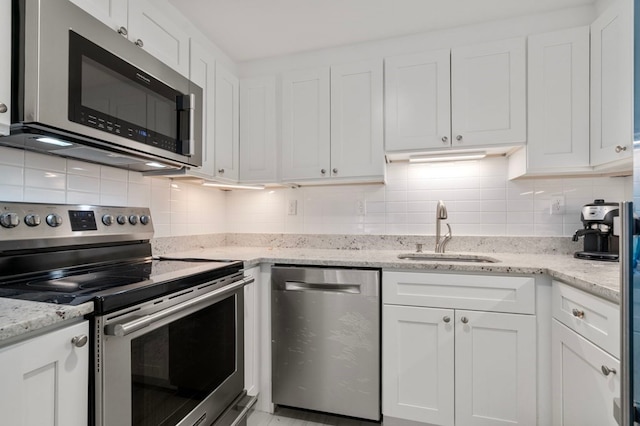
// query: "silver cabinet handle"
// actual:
[[323, 171], [334, 288], [606, 370], [577, 313], [445, 139], [123, 31], [446, 318], [122, 329], [81, 340], [620, 148], [464, 320], [221, 171], [3, 108], [459, 138], [139, 43], [335, 171]]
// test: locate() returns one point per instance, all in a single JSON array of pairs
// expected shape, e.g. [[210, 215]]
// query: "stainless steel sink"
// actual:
[[447, 257]]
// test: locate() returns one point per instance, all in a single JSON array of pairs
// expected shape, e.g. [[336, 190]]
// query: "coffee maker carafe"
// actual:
[[601, 241]]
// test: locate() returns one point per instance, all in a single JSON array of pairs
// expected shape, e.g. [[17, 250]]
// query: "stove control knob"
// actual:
[[121, 219], [144, 219], [32, 220], [54, 220], [9, 220], [108, 219], [133, 219]]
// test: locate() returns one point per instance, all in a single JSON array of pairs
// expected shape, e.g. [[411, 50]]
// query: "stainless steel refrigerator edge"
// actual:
[[326, 340]]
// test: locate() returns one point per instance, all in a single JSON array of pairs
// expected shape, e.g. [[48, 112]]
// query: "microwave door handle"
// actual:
[[186, 105]]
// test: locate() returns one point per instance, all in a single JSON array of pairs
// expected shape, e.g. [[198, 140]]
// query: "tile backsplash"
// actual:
[[479, 198], [177, 208]]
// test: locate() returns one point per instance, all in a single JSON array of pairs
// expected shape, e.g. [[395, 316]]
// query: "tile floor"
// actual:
[[292, 417]]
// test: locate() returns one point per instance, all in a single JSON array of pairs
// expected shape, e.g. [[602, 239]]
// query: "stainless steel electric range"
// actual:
[[167, 335]]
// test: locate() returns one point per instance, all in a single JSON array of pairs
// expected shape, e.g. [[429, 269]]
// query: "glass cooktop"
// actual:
[[116, 286]]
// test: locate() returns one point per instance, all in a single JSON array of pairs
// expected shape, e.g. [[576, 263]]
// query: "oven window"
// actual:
[[176, 366]]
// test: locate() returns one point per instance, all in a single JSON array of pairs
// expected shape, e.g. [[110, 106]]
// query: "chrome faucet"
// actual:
[[441, 213]]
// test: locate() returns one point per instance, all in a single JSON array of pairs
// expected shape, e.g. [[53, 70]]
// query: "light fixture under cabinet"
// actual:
[[231, 186], [435, 158]]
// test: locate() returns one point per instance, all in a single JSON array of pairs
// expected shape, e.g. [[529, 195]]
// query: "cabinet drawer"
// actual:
[[596, 319], [473, 292]]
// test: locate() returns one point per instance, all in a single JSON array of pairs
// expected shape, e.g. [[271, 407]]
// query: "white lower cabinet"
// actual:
[[45, 380], [584, 381], [447, 366]]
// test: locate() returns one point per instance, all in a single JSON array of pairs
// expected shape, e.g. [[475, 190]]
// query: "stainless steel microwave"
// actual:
[[81, 90]]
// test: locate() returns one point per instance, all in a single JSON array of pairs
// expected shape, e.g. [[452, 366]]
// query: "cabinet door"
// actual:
[[417, 370], [159, 35], [5, 72], [45, 380], [203, 73], [305, 124], [258, 153], [357, 148], [488, 94], [418, 101], [495, 369], [612, 85], [559, 99], [111, 12], [582, 392], [227, 125]]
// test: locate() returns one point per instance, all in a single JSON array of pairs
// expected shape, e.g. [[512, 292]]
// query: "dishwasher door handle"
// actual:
[[333, 288]]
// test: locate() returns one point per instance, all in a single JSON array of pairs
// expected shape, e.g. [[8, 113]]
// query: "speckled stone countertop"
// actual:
[[20, 317], [17, 318], [599, 278]]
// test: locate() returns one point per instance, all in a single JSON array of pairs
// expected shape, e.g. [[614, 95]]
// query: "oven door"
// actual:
[[178, 360]]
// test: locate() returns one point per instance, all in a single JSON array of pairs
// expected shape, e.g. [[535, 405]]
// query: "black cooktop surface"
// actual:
[[117, 285]]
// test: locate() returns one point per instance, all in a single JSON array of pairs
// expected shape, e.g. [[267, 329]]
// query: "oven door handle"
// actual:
[[123, 329]]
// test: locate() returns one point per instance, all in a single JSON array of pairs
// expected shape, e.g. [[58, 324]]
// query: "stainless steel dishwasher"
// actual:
[[325, 332]]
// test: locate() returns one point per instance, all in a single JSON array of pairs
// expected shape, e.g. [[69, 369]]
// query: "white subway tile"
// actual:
[[38, 178], [83, 183], [113, 173], [50, 163], [78, 197], [139, 195], [41, 195], [396, 207], [520, 218], [11, 193], [76, 167], [113, 199], [12, 156], [418, 229], [375, 228], [520, 230], [375, 207], [12, 175]]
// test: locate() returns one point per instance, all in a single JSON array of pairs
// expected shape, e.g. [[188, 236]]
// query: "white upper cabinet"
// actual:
[[418, 101], [258, 153], [203, 73], [488, 94], [612, 84], [145, 25], [357, 147], [5, 72], [113, 13], [227, 126], [159, 35], [558, 101], [305, 124], [332, 123]]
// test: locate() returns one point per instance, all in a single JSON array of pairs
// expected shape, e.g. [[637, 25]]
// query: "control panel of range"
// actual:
[[57, 224]]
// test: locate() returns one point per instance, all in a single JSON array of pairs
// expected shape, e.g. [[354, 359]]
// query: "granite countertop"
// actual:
[[17, 318], [598, 278], [20, 317]]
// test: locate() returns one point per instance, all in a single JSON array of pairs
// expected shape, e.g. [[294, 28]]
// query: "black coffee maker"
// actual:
[[599, 231]]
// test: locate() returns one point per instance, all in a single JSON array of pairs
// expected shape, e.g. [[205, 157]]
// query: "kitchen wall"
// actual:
[[479, 198], [177, 208]]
